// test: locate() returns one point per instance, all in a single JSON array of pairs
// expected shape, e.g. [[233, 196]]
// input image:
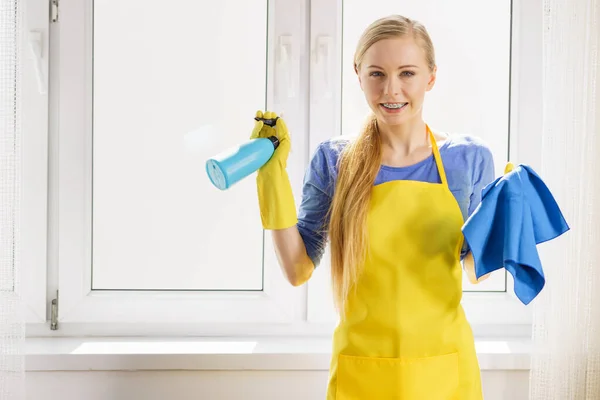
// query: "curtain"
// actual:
[[12, 328], [566, 315]]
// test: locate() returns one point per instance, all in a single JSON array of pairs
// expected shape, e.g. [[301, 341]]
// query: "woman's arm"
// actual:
[[298, 237], [300, 248], [292, 256]]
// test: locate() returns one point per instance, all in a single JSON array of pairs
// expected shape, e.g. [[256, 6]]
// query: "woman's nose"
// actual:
[[392, 86]]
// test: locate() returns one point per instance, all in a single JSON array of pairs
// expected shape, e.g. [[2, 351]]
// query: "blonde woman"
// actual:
[[392, 202]]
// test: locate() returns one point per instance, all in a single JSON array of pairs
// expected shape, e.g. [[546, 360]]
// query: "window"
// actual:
[[146, 97], [476, 92], [143, 95]]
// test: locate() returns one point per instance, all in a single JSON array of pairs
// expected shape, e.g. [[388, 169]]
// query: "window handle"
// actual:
[[36, 45], [323, 59], [287, 70]]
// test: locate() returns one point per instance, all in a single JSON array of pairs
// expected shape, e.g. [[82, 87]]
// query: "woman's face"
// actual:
[[394, 77]]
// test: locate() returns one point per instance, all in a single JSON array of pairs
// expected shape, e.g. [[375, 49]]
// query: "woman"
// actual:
[[392, 202]]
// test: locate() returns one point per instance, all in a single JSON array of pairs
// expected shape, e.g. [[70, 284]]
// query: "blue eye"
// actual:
[[375, 73], [407, 73]]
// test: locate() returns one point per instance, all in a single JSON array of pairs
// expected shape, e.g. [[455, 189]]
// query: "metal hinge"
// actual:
[[54, 10], [54, 315]]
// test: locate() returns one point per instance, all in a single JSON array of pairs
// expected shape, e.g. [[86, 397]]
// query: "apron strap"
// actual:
[[438, 158]]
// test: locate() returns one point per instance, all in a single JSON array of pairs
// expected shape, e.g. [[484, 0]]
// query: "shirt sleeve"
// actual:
[[317, 192], [483, 174]]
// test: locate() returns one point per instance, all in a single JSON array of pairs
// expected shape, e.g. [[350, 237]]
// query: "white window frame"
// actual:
[[280, 308], [34, 156], [278, 303]]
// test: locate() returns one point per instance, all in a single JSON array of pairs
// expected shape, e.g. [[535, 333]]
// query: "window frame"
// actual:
[[277, 303], [280, 309], [34, 161]]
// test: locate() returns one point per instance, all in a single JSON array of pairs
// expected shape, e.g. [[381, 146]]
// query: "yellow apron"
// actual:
[[405, 335]]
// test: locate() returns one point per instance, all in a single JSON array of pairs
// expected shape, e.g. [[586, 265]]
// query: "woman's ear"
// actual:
[[358, 75], [432, 78]]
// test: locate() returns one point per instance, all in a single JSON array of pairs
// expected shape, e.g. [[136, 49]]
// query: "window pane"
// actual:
[[173, 85], [471, 94]]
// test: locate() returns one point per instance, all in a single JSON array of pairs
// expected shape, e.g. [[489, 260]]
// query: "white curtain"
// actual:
[[12, 374], [566, 330]]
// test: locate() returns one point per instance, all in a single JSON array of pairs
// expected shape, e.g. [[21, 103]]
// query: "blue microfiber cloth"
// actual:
[[517, 212]]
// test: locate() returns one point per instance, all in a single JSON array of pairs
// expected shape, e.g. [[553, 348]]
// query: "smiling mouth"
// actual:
[[394, 106]]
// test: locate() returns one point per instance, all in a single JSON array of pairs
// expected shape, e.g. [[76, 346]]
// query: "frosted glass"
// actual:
[[173, 85]]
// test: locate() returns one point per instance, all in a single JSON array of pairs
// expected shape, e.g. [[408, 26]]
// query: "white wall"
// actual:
[[221, 385]]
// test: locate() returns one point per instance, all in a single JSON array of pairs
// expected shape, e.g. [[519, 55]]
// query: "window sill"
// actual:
[[126, 354]]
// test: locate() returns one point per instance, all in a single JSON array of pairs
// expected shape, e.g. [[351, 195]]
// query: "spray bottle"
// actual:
[[233, 165]]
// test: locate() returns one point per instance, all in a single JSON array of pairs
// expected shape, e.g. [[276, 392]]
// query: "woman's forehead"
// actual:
[[394, 53]]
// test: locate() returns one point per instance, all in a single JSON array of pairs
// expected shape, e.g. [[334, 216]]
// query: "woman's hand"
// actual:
[[469, 267], [275, 197], [280, 130]]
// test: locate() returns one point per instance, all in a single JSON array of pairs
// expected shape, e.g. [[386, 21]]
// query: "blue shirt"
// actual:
[[467, 160]]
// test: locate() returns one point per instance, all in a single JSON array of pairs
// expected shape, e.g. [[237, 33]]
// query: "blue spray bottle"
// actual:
[[233, 165]]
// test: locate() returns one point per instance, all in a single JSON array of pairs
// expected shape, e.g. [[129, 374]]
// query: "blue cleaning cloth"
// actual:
[[517, 212]]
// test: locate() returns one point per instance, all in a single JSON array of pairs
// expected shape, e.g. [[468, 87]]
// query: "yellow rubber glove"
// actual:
[[275, 197]]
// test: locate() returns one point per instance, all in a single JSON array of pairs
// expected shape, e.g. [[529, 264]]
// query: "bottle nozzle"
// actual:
[[268, 121]]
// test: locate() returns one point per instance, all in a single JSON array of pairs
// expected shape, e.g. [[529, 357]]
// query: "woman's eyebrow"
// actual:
[[400, 67]]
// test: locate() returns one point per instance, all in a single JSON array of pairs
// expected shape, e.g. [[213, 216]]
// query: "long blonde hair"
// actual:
[[358, 166]]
